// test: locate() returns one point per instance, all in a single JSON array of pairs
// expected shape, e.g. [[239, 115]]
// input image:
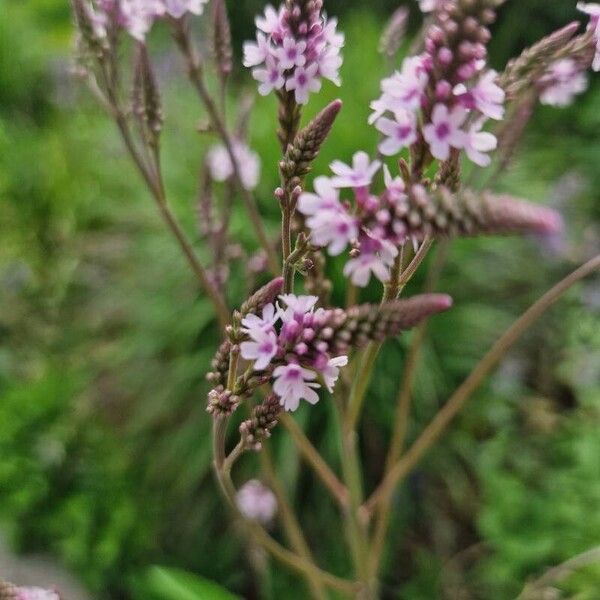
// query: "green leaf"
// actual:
[[174, 584]]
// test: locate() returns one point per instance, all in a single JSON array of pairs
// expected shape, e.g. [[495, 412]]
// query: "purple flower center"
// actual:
[[274, 76], [302, 80], [442, 131], [403, 132], [266, 348], [293, 373]]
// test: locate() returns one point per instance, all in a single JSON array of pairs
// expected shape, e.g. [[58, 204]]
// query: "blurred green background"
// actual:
[[104, 343]]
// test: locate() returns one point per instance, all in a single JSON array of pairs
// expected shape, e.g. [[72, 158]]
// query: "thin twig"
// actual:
[[445, 416]]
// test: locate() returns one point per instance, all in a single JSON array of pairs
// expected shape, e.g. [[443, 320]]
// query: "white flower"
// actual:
[[261, 349], [256, 53], [256, 502], [377, 260], [593, 9], [291, 54], [330, 61], [401, 132], [221, 167], [332, 35], [444, 130], [266, 322], [296, 306], [35, 593], [359, 175], [178, 8], [304, 81], [294, 383], [478, 142], [270, 78], [271, 20], [332, 371], [562, 83], [138, 16], [330, 224], [428, 6]]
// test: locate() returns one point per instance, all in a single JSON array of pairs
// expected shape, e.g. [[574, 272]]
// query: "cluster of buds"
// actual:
[[377, 225], [444, 96], [295, 48], [302, 348], [258, 428]]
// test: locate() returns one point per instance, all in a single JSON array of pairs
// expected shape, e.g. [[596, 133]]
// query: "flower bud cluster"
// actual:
[[303, 348], [377, 225], [258, 428], [448, 88], [296, 47]]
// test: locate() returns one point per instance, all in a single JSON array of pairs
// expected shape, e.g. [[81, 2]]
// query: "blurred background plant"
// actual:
[[104, 441]]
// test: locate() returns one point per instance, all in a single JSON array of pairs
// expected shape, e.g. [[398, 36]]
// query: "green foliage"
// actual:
[[104, 341]]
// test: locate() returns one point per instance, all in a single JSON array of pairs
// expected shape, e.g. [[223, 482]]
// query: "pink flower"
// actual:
[[329, 63], [35, 593], [359, 175], [486, 96], [178, 8], [428, 6], [261, 349], [138, 16], [221, 168], [562, 83], [376, 257], [294, 383], [332, 371], [297, 306], [304, 81], [593, 9], [394, 186], [331, 35], [256, 502], [291, 54], [270, 78], [271, 20], [444, 130], [401, 132], [266, 322], [478, 142], [330, 224], [256, 53]]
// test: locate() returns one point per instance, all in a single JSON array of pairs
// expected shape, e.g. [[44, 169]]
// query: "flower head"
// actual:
[[444, 131], [221, 167], [359, 175], [562, 83], [261, 349], [256, 502], [294, 383], [477, 143]]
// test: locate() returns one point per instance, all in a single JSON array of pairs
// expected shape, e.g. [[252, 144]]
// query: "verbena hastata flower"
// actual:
[[447, 88], [221, 168], [593, 9], [296, 47], [563, 81], [312, 347], [12, 592], [428, 6], [382, 223], [138, 16], [256, 502]]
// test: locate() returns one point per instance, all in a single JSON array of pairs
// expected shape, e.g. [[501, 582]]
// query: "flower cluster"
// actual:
[[593, 9], [221, 168], [295, 48], [378, 225], [138, 16], [563, 81], [448, 88]]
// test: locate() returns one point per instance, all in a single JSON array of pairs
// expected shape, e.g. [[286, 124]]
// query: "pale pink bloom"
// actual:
[[332, 36], [330, 224], [485, 96], [304, 81], [261, 349], [562, 83], [266, 322], [593, 9], [428, 6], [291, 53], [394, 186], [221, 167], [256, 502], [294, 383], [256, 53], [177, 8], [478, 143], [138, 16], [35, 593], [372, 261], [270, 78], [401, 132], [359, 175], [329, 63], [444, 130], [332, 371], [271, 20], [296, 306]]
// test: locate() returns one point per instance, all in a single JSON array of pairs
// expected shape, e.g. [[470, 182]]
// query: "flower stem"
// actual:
[[456, 402]]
